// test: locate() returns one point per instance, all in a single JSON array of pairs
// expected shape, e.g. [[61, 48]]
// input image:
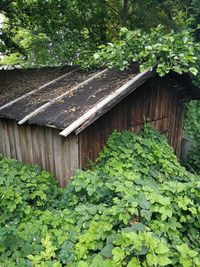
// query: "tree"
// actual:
[[53, 32]]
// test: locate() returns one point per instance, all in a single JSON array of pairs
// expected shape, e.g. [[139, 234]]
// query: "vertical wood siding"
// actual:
[[156, 100], [42, 146]]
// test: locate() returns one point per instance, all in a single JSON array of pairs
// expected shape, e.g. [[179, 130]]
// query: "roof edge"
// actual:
[[106, 104]]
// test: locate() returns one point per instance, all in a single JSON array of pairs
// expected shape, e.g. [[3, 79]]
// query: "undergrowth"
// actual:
[[192, 129], [136, 207]]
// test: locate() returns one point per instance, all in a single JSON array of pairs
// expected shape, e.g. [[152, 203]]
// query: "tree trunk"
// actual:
[[124, 15]]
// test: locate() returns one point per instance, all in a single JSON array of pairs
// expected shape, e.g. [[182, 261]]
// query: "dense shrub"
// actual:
[[23, 188], [136, 207]]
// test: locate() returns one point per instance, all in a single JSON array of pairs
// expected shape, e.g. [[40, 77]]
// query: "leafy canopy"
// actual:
[[165, 50], [53, 32]]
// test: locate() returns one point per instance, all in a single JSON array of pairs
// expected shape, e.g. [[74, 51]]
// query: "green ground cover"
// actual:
[[136, 207]]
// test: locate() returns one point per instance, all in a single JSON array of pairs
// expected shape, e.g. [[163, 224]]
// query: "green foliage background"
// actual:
[[54, 32], [136, 207], [192, 130]]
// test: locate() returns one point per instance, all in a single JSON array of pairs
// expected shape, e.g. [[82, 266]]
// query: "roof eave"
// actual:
[[106, 104]]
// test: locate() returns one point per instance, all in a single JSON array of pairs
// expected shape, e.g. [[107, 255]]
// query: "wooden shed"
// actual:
[[60, 118]]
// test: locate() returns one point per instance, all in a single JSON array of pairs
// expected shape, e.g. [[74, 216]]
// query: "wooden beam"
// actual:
[[41, 108], [112, 103], [39, 88], [107, 103]]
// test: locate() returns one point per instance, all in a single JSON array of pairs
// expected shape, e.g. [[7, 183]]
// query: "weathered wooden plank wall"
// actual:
[[156, 100], [42, 146]]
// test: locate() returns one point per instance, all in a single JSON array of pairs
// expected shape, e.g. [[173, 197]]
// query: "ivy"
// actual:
[[24, 188], [136, 207]]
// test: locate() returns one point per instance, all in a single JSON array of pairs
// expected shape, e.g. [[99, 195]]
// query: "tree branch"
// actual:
[[111, 7]]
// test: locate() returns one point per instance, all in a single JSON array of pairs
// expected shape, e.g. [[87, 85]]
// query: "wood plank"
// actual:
[[4, 137], [6, 140], [36, 145], [41, 141], [1, 138], [31, 148], [50, 149], [11, 139], [17, 141], [66, 159], [74, 157], [57, 157], [24, 144]]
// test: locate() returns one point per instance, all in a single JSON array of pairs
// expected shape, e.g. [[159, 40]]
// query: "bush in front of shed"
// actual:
[[136, 207], [24, 188]]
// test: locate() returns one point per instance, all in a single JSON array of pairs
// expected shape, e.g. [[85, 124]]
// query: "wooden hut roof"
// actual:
[[17, 82], [66, 98]]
